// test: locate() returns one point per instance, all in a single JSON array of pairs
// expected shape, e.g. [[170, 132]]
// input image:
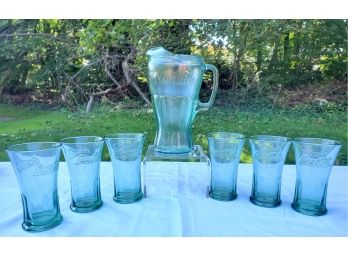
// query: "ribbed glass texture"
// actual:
[[175, 81], [314, 160], [125, 152], [83, 155], [225, 149], [268, 154]]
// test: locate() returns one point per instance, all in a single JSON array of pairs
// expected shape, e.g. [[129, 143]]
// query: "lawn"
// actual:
[[29, 124]]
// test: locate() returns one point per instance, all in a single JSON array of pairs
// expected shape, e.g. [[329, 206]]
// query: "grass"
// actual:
[[52, 125]]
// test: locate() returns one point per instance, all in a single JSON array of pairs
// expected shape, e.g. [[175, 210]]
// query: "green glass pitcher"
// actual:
[[175, 81]]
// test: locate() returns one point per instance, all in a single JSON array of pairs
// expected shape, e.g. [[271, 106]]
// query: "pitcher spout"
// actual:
[[157, 51]]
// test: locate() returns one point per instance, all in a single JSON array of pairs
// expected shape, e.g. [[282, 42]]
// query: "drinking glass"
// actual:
[[225, 149], [36, 168], [83, 155], [125, 152], [314, 160], [268, 153]]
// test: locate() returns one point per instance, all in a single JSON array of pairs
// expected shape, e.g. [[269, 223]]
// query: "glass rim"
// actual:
[[227, 135], [324, 141], [269, 138], [99, 139], [53, 146], [125, 135]]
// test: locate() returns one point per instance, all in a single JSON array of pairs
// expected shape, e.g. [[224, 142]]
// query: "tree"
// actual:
[[79, 61]]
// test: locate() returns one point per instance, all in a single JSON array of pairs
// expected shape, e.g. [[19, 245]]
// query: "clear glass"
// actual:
[[314, 160], [36, 168], [268, 153], [125, 152], [175, 81], [225, 149], [83, 155]]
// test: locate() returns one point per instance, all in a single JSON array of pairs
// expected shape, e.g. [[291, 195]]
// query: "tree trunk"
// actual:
[[102, 93], [258, 59], [24, 75], [286, 56], [239, 52], [274, 58], [112, 77], [297, 54], [130, 80], [68, 104], [90, 103]]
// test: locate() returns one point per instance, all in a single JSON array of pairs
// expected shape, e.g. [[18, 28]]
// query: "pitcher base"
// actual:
[[196, 155]]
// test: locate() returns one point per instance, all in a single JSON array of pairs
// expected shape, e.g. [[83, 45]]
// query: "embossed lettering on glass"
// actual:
[[36, 167], [125, 152], [175, 81], [225, 149], [268, 153], [314, 160], [83, 155]]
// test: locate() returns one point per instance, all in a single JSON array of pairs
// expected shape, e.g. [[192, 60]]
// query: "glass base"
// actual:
[[39, 228], [267, 204], [308, 211], [88, 208], [222, 195], [196, 155], [128, 197]]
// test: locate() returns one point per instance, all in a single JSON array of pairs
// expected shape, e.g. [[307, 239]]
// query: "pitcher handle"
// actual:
[[205, 106]]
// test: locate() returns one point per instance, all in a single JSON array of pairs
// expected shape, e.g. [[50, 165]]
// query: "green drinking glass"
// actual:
[[125, 152], [225, 149], [268, 153], [314, 160], [83, 155], [36, 168]]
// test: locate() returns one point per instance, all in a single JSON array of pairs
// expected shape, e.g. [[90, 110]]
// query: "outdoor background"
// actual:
[[61, 78]]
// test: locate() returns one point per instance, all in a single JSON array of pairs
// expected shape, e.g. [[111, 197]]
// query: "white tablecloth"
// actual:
[[176, 205]]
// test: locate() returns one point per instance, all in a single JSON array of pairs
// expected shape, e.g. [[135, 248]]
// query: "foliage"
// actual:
[[32, 51], [71, 58], [292, 52]]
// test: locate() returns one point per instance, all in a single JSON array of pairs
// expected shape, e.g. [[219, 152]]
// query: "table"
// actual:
[[181, 207]]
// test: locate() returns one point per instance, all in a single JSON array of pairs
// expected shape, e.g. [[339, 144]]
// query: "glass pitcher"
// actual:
[[175, 81]]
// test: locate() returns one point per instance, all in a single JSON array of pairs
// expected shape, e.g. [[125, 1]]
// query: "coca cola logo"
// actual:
[[225, 152], [127, 151], [35, 164], [315, 160], [182, 75], [83, 155], [268, 157], [28, 163]]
